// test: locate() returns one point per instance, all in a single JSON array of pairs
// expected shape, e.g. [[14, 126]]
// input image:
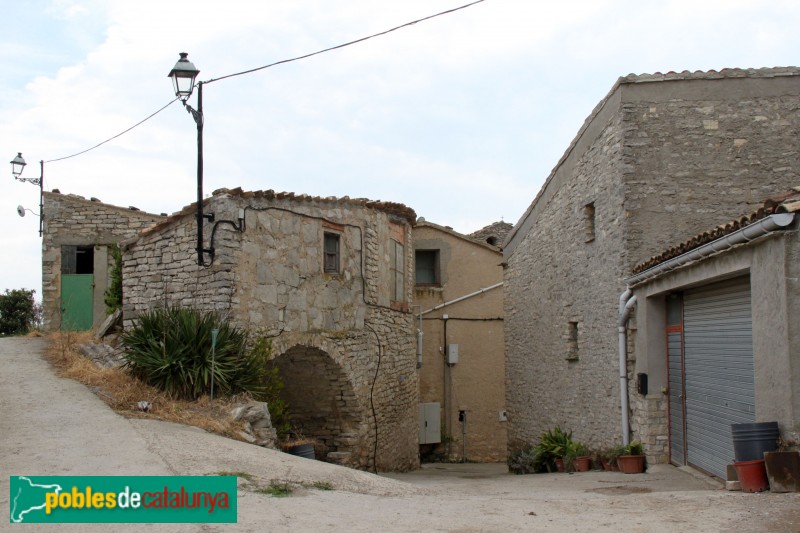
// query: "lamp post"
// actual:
[[17, 166], [183, 75]]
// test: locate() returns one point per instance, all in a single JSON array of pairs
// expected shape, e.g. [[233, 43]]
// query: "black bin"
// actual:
[[750, 441]]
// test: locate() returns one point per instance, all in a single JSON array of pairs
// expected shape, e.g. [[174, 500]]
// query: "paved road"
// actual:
[[55, 426]]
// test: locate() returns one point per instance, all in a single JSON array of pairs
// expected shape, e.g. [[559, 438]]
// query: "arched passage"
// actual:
[[322, 403]]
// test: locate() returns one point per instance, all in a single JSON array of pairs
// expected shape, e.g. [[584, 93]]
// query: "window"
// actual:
[[397, 252], [588, 221], [77, 259], [427, 267], [572, 341], [331, 253]]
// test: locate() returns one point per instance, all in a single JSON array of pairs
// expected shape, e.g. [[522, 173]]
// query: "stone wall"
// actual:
[[661, 159], [343, 342], [561, 294], [73, 220]]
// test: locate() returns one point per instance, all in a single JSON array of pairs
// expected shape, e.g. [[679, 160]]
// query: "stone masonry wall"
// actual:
[[73, 220], [561, 294], [701, 152], [330, 332]]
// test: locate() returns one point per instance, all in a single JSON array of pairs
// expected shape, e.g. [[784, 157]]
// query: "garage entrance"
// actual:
[[711, 373]]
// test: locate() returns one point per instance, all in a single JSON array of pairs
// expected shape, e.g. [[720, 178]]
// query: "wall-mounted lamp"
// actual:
[[17, 166], [183, 75]]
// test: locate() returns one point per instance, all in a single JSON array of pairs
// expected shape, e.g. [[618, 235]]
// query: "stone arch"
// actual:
[[322, 403]]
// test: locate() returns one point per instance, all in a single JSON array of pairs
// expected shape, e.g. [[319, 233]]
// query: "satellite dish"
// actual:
[[20, 211]]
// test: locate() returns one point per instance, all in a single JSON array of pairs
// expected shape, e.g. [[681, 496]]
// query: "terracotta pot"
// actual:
[[559, 464], [582, 464], [752, 475], [631, 464]]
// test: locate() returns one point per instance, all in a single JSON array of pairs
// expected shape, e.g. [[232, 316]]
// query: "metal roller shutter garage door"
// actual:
[[718, 362]]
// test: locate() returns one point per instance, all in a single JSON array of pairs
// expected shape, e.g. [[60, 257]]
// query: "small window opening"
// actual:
[[588, 222], [572, 341], [331, 253], [492, 240], [77, 259], [427, 267]]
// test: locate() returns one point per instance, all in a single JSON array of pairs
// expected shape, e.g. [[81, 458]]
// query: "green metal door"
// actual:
[[76, 301]]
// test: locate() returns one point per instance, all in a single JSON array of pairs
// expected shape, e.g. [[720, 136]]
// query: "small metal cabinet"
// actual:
[[430, 430]]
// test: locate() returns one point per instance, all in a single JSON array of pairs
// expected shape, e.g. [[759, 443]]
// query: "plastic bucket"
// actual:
[[302, 450], [750, 441]]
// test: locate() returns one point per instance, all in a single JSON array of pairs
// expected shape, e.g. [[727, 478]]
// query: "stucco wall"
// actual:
[[662, 160], [476, 384], [269, 279], [73, 220]]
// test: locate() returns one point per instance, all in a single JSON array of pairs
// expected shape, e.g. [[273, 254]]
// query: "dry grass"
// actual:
[[122, 392]]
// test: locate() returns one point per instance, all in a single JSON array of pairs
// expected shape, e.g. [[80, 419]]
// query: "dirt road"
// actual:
[[54, 426]]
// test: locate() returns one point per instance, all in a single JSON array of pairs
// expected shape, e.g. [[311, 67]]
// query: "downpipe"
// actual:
[[627, 301]]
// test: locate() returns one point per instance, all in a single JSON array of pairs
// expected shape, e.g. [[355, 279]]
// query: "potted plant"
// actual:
[[578, 458], [552, 447], [632, 459]]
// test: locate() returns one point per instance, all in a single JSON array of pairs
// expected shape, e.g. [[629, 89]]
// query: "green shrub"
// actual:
[[170, 349], [273, 385], [17, 312], [553, 444], [113, 295]]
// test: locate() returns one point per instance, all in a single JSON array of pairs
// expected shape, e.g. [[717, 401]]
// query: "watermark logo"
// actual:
[[123, 499]]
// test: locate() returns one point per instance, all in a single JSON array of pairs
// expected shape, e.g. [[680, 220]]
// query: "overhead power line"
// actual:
[[362, 39], [344, 44], [115, 136]]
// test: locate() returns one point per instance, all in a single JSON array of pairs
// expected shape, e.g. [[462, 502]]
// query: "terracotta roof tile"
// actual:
[[788, 202]]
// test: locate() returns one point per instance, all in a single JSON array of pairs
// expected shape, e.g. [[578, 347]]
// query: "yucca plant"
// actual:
[[170, 349]]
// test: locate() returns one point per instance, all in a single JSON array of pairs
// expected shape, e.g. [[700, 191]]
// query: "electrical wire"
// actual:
[[362, 39], [268, 66], [115, 136]]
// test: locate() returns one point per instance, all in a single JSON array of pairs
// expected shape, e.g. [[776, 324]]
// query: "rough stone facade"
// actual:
[[476, 383], [342, 339], [71, 220], [660, 156]]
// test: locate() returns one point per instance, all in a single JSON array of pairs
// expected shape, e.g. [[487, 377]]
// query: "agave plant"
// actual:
[[170, 349]]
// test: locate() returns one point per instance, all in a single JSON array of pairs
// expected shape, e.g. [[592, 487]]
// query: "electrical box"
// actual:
[[452, 354], [430, 428]]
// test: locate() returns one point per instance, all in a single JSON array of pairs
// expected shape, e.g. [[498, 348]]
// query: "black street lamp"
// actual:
[[183, 75], [17, 166]]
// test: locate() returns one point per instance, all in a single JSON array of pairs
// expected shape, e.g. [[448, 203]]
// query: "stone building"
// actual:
[[329, 281], [661, 156], [76, 263], [723, 309], [459, 298]]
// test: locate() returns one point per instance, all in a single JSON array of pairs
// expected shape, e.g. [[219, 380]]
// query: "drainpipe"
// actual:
[[420, 333], [776, 222], [461, 298], [626, 303]]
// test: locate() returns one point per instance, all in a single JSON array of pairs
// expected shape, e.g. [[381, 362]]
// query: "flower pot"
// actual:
[[631, 464], [752, 475], [783, 471], [559, 464], [582, 464]]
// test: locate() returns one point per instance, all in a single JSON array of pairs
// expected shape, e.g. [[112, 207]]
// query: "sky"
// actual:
[[460, 117]]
